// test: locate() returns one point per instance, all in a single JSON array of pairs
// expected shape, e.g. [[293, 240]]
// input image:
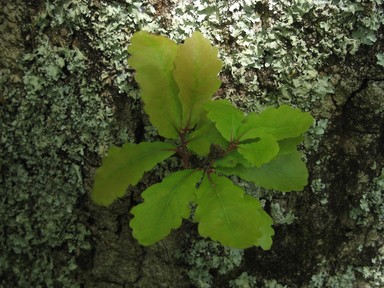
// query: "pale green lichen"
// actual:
[[345, 279], [318, 188], [248, 281], [371, 207], [204, 256], [280, 215], [243, 281], [375, 273], [110, 32], [50, 120], [273, 52], [380, 59], [291, 41], [273, 284], [369, 213]]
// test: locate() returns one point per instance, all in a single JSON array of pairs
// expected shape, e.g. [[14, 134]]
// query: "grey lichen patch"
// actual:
[[275, 52], [47, 130], [11, 45], [10, 16], [280, 215], [369, 214], [344, 279], [370, 209], [52, 120], [348, 188], [244, 280], [204, 256], [109, 27], [76, 96], [374, 273]]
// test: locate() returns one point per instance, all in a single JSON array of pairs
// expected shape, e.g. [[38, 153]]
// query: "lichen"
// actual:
[[344, 279], [51, 119], [243, 281], [370, 213], [256, 35], [280, 216], [60, 111], [204, 256], [273, 284]]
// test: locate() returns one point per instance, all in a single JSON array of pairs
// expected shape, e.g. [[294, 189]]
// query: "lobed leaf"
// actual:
[[153, 58], [248, 130], [265, 225], [260, 152], [287, 172], [125, 166], [289, 145], [226, 117], [164, 206], [200, 140], [197, 67], [282, 122], [232, 159], [227, 215]]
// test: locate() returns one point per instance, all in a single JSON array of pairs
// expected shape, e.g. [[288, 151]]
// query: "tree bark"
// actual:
[[52, 235]]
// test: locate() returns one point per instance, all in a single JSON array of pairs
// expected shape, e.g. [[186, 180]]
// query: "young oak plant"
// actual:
[[177, 84]]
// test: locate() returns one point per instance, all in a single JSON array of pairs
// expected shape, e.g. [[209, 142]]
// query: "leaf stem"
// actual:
[[232, 146], [182, 150]]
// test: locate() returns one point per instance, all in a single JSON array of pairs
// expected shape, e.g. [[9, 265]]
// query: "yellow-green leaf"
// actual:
[[287, 172], [165, 205], [232, 159], [282, 122], [227, 118], [200, 141], [197, 67], [153, 57], [125, 166], [261, 151], [227, 215], [288, 145]]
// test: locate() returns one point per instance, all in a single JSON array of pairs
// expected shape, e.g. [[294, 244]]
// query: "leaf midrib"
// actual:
[[233, 233]]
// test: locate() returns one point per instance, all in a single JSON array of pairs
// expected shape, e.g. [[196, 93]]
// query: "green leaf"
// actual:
[[288, 145], [265, 226], [226, 117], [248, 130], [153, 57], [232, 159], [200, 141], [227, 215], [125, 166], [164, 206], [260, 152], [282, 122], [197, 67], [287, 172]]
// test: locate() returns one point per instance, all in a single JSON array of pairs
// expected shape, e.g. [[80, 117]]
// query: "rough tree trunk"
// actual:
[[67, 95]]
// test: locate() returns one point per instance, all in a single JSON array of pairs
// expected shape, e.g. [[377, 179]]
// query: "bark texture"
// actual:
[[67, 95]]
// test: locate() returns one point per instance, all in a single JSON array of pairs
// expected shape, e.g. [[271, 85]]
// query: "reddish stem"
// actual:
[[182, 150]]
